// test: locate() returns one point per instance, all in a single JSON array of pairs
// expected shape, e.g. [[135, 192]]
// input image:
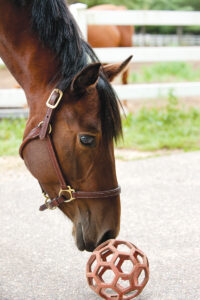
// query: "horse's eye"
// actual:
[[87, 140]]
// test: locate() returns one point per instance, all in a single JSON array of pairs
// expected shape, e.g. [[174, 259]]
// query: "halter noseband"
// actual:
[[43, 132]]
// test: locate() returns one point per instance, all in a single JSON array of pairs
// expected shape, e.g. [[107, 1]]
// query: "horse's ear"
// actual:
[[112, 70], [86, 78]]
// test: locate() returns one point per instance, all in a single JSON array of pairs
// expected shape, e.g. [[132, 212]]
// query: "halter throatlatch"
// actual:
[[43, 131]]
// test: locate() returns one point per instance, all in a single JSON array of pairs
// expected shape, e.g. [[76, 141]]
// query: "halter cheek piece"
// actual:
[[43, 132]]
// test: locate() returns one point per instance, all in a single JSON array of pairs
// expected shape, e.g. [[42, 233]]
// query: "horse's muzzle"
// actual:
[[83, 243]]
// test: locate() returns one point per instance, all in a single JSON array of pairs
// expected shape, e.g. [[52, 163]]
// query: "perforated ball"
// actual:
[[117, 270]]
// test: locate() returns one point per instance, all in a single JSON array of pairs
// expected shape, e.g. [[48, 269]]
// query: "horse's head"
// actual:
[[43, 49], [83, 129]]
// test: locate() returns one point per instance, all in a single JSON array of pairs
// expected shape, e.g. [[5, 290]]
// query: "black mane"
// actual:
[[57, 29]]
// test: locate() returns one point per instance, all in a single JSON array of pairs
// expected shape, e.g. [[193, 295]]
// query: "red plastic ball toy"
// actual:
[[117, 270]]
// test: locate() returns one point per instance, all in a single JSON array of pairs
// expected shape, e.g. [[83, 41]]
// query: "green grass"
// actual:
[[11, 133], [166, 72], [162, 128], [2, 67]]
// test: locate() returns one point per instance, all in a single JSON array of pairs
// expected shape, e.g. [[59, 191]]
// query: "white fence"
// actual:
[[141, 17], [149, 54], [86, 17], [141, 54], [132, 92], [144, 54], [160, 40]]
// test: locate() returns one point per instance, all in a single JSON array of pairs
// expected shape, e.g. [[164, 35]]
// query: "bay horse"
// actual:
[[74, 115], [111, 35]]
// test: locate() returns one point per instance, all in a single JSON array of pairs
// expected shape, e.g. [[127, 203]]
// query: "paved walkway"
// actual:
[[160, 214]]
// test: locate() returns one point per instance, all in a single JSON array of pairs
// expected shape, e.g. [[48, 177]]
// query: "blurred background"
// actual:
[[160, 92]]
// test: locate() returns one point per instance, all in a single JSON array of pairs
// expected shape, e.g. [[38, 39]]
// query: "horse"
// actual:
[[111, 35], [74, 115]]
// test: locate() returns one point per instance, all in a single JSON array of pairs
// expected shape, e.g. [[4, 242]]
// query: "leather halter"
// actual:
[[43, 132]]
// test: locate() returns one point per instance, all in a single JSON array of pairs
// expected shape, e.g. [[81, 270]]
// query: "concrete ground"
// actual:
[[160, 214]]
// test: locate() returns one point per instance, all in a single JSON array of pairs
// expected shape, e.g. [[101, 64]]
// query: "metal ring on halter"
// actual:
[[48, 202], [69, 190], [50, 127]]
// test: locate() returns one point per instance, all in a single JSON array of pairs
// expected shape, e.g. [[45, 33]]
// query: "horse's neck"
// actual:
[[30, 63]]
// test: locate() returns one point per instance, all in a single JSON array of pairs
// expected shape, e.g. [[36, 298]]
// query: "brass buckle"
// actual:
[[69, 190], [50, 127], [58, 101], [47, 202]]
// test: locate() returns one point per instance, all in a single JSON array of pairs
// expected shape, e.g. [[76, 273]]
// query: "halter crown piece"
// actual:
[[43, 131]]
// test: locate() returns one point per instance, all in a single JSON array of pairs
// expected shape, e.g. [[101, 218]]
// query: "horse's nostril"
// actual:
[[110, 234]]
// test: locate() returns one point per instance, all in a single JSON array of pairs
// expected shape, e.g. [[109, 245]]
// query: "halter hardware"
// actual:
[[48, 201], [69, 190], [52, 106], [50, 127], [42, 131]]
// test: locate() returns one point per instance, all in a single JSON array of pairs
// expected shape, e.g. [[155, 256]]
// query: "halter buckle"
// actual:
[[58, 100], [69, 190]]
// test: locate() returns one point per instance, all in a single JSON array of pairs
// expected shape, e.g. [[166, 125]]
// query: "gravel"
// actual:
[[160, 214]]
